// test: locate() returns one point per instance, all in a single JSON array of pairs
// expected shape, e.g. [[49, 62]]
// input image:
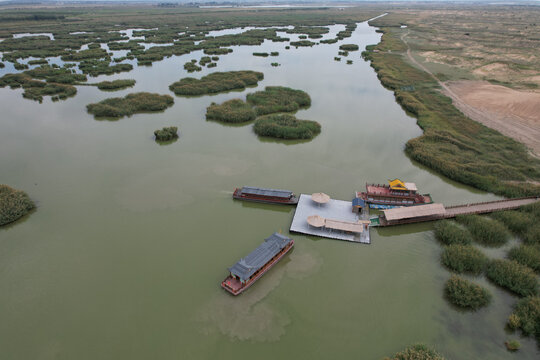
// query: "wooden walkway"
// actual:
[[475, 208]]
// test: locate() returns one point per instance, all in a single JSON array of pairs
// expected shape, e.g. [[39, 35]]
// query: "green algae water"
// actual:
[[125, 254]]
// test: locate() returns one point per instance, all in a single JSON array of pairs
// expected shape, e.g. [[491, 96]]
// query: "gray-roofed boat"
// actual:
[[249, 269], [264, 195]]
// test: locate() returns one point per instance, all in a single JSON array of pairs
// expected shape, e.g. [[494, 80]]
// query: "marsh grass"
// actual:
[[166, 134], [35, 89], [190, 66], [513, 276], [528, 255], [130, 104], [115, 84], [216, 82], [349, 47], [526, 317], [286, 126], [449, 232], [416, 352], [466, 294], [485, 231], [231, 111], [14, 204], [464, 259], [276, 99]]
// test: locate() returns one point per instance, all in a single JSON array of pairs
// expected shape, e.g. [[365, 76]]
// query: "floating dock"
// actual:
[[336, 217]]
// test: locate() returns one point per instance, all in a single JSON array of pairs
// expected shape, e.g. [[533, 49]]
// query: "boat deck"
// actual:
[[334, 209]]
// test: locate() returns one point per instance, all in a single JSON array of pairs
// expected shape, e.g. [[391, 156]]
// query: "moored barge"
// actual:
[[395, 194], [263, 195], [249, 269]]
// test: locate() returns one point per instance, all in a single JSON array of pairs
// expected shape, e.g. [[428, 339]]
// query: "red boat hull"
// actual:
[[235, 287]]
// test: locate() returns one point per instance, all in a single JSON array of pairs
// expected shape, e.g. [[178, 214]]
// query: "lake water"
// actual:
[[124, 256]]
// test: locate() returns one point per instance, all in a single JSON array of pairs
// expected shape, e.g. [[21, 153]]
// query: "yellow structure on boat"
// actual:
[[397, 184]]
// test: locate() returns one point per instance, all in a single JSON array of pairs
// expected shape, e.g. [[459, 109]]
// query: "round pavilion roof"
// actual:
[[320, 198], [316, 221]]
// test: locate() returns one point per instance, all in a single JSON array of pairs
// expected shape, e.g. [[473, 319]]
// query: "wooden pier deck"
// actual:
[[453, 211]]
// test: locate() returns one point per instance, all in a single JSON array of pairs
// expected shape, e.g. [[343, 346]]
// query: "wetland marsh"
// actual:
[[125, 253]]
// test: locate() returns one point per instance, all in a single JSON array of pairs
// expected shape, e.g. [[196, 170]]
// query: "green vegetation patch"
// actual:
[[512, 345], [513, 276], [232, 111], [14, 204], [261, 54], [35, 89], [464, 259], [349, 47], [286, 126], [56, 75], [218, 51], [276, 99], [115, 84], [166, 134], [466, 294], [517, 221], [191, 67], [485, 231], [301, 43], [526, 317], [94, 67], [130, 104], [528, 255], [449, 232], [216, 82], [416, 352]]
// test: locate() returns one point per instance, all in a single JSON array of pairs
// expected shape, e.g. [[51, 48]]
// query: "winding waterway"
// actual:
[[124, 255]]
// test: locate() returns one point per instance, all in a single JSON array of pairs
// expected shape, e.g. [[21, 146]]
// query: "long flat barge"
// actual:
[[249, 269], [264, 195]]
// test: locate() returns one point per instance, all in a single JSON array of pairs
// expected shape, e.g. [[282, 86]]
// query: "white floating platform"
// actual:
[[334, 209]]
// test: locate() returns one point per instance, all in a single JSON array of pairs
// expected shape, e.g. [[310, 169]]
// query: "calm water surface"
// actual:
[[124, 256]]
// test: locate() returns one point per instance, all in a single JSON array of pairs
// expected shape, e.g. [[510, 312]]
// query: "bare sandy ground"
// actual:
[[514, 113]]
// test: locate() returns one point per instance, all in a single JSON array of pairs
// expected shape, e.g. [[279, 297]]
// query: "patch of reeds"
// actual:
[[513, 276], [449, 232], [130, 104], [276, 99], [232, 111], [36, 89], [349, 47], [216, 82], [526, 317], [14, 204], [191, 67], [304, 43], [218, 51], [286, 126], [261, 54], [416, 352], [466, 294], [464, 259], [516, 221], [115, 84], [528, 255], [166, 134], [485, 231]]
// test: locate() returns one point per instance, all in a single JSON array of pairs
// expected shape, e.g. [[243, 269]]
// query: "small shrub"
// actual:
[[528, 255], [211, 65], [485, 231], [14, 204], [130, 104], [278, 99], [287, 47], [526, 317], [343, 53], [349, 62], [261, 54], [466, 294], [512, 345], [416, 352], [205, 60], [274, 53], [337, 58], [349, 47], [166, 134], [464, 259], [302, 43], [232, 111], [448, 232], [285, 126], [275, 64], [513, 276], [215, 58]]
